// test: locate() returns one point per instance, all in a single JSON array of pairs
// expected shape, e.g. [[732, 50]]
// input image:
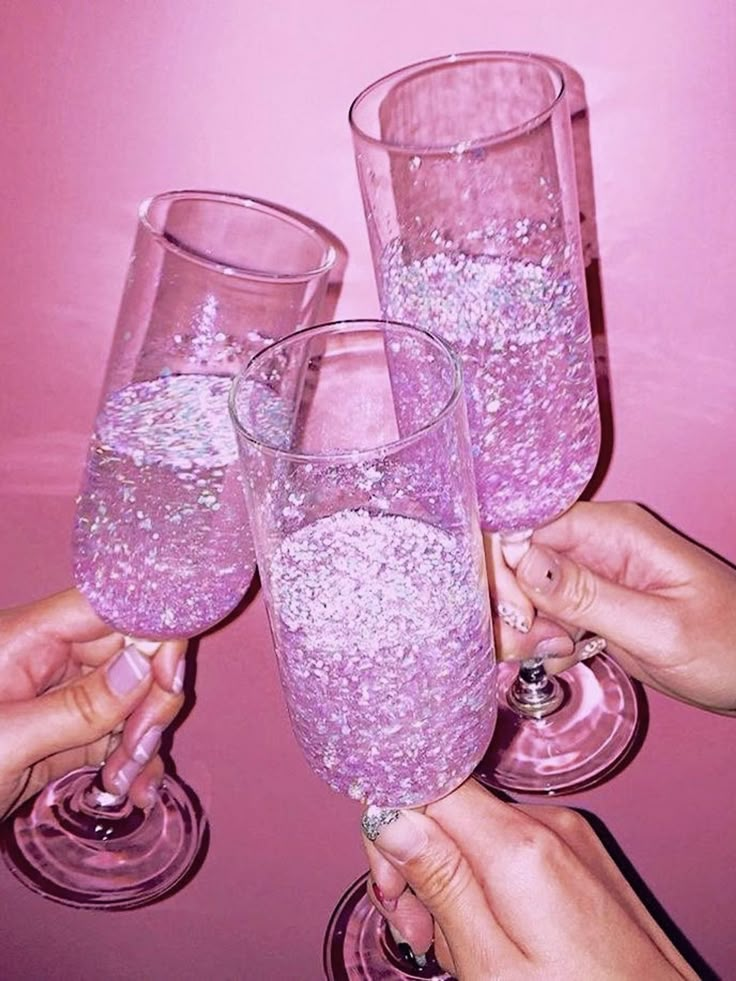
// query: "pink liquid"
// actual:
[[524, 340], [382, 630], [162, 545]]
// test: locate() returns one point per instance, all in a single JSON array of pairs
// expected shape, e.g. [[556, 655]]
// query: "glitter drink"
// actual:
[[523, 337], [370, 554], [161, 541], [381, 628]]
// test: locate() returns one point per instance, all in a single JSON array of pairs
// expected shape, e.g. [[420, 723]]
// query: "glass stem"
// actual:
[[534, 694]]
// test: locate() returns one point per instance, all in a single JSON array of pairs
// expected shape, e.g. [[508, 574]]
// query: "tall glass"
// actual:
[[466, 169], [161, 543], [357, 471]]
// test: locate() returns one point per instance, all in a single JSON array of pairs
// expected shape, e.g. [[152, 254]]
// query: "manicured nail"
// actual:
[[127, 671], [513, 617], [540, 569], [126, 775], [177, 684], [386, 902], [147, 744], [147, 647], [395, 833], [406, 950], [376, 818], [554, 647], [590, 647]]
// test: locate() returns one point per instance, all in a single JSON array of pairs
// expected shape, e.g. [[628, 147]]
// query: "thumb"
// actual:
[[79, 713], [442, 879], [575, 595]]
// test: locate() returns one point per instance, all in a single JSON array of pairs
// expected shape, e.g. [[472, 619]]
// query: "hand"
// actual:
[[515, 892], [71, 690], [666, 607]]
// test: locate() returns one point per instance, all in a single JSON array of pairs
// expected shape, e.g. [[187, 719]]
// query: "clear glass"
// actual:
[[356, 463], [161, 542], [466, 168]]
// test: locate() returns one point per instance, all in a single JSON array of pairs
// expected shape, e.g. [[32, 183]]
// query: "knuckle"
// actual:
[[536, 849], [581, 593], [80, 703], [566, 823], [444, 879]]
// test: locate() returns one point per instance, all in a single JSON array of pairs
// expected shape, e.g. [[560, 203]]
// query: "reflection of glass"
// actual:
[[356, 463], [467, 175], [162, 546]]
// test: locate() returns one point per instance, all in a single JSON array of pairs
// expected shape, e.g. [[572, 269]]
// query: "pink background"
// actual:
[[105, 103]]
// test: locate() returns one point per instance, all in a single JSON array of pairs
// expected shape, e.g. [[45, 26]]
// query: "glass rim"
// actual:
[[288, 217], [336, 327], [530, 124]]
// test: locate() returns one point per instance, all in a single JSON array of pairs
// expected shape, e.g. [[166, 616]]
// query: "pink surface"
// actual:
[[104, 104]]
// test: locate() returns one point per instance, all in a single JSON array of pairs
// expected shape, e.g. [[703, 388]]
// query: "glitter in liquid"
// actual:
[[382, 631], [523, 337], [161, 541]]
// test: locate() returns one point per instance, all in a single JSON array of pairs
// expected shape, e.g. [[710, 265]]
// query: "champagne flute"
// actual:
[[161, 542], [466, 169], [370, 554]]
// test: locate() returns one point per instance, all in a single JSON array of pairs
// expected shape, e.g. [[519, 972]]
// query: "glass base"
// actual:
[[579, 744], [70, 847], [358, 944]]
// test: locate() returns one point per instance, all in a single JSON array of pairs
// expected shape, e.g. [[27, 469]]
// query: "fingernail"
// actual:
[[127, 671], [147, 744], [126, 775], [386, 902], [554, 647], [395, 833], [147, 647], [513, 617], [514, 547], [406, 950], [177, 684], [590, 647], [540, 569], [151, 794], [376, 818]]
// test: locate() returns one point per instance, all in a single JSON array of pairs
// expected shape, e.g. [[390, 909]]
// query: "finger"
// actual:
[[141, 739], [145, 787], [444, 882], [78, 713], [511, 605], [602, 534], [410, 923], [546, 639], [67, 617], [564, 590], [583, 650], [92, 653], [442, 952], [388, 881], [169, 665]]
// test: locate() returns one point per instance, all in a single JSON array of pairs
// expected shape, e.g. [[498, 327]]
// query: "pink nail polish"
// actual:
[[147, 745], [126, 672], [177, 684], [388, 904], [126, 775]]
